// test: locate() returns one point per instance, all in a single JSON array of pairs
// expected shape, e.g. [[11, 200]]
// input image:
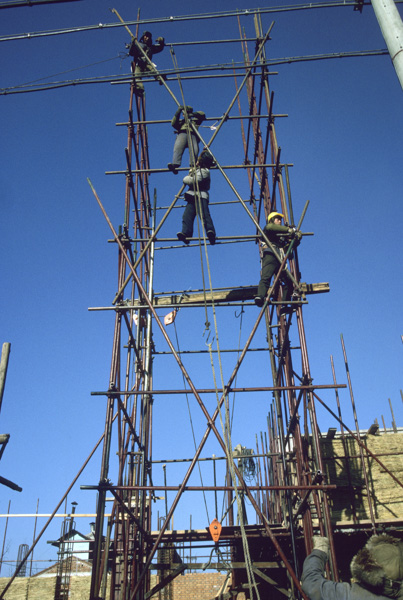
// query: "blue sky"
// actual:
[[343, 135]]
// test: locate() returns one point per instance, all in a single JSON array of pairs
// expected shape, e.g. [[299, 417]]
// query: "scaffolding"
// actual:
[[290, 495], [274, 497], [65, 557]]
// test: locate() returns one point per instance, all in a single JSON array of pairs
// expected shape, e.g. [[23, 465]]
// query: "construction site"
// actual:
[[222, 453]]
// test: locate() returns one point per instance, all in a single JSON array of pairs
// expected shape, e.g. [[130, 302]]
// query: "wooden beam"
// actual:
[[230, 295], [219, 566], [315, 288]]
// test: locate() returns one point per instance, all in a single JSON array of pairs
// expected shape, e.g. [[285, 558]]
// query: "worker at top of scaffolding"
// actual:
[[140, 64], [197, 198], [185, 134], [377, 571], [279, 236]]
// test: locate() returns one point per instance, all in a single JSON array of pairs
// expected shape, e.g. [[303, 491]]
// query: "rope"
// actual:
[[226, 429], [227, 433], [196, 185], [191, 425], [239, 351]]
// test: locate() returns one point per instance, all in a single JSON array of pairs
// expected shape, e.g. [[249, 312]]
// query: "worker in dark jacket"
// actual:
[[280, 236], [197, 198], [140, 65], [185, 134], [377, 571]]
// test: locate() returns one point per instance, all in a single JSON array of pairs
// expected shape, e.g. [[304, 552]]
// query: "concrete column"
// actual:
[[391, 26]]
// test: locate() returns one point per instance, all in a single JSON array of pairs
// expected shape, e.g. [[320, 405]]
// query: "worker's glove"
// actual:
[[321, 543], [298, 235], [160, 40], [189, 109], [292, 231]]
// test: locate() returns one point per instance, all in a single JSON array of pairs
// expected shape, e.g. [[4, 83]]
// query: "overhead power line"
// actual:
[[25, 3], [176, 19], [28, 88]]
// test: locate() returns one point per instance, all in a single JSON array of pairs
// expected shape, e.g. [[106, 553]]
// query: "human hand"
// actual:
[[321, 542]]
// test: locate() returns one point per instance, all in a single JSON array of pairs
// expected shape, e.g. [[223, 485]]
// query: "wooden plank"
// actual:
[[315, 288], [230, 295], [218, 565]]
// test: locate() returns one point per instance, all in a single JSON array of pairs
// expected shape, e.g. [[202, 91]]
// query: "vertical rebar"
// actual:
[[364, 468], [5, 535], [345, 448], [35, 522], [215, 491], [393, 416]]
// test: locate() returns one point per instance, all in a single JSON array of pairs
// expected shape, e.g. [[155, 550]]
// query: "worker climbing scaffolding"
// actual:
[[185, 130], [197, 199], [280, 236], [142, 52]]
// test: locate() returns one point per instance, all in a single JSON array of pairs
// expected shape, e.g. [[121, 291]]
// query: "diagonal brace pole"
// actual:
[[210, 420]]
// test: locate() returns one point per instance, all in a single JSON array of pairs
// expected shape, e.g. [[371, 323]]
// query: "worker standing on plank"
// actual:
[[280, 236]]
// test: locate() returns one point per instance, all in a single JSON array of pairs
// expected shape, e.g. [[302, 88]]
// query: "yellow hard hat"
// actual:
[[274, 214]]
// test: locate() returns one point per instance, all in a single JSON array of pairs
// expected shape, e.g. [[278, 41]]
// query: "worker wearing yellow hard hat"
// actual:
[[279, 236]]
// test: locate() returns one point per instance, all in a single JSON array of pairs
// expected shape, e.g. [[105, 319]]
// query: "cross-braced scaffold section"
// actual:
[[268, 500]]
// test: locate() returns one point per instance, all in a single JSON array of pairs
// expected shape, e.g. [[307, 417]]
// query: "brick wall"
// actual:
[[386, 495], [202, 586], [26, 588]]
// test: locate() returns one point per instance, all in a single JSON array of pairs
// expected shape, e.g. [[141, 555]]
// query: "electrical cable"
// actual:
[[200, 16], [100, 62], [20, 89]]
